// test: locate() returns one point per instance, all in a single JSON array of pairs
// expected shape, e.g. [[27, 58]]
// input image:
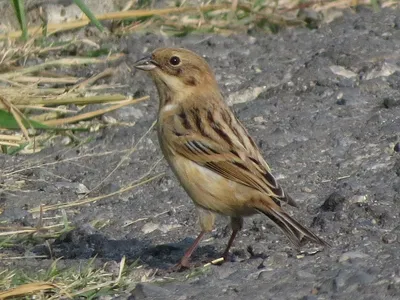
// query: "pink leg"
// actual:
[[236, 224], [185, 259], [230, 242]]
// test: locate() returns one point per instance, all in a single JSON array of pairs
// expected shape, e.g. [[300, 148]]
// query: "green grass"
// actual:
[[21, 17], [88, 279]]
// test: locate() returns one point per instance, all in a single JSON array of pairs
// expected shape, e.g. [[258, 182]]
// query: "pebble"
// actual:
[[333, 202], [81, 189], [150, 291], [396, 147], [309, 297], [348, 256], [391, 102], [66, 140], [108, 119], [389, 238], [150, 227], [306, 189], [359, 199]]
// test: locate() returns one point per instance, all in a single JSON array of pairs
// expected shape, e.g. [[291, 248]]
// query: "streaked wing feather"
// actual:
[[227, 163]]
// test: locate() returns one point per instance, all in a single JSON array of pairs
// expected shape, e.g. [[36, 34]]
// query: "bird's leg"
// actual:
[[206, 219], [236, 224], [185, 259]]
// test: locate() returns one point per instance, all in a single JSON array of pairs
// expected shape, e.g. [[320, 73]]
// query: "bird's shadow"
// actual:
[[85, 243]]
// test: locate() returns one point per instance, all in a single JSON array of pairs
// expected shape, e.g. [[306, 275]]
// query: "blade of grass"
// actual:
[[20, 13], [69, 100], [28, 288], [5, 137], [70, 61], [15, 115], [43, 108], [8, 121], [37, 80], [89, 14], [3, 143], [93, 114]]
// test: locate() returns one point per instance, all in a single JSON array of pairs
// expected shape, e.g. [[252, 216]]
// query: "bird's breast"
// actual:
[[210, 190]]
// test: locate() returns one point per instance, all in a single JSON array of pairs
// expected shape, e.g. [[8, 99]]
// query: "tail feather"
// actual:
[[296, 232]]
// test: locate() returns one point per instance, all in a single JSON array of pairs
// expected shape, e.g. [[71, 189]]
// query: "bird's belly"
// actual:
[[211, 191]]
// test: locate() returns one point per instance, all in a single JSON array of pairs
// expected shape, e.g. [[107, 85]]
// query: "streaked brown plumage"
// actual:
[[210, 151]]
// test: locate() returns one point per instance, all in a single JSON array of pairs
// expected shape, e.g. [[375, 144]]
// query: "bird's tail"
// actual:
[[296, 232]]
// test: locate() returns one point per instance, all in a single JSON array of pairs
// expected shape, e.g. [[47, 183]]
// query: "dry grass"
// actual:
[[67, 283], [22, 92], [224, 17], [88, 282]]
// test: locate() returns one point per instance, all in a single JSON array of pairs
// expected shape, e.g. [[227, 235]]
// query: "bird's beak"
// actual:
[[145, 64]]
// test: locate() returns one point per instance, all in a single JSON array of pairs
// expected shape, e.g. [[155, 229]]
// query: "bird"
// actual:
[[211, 153]]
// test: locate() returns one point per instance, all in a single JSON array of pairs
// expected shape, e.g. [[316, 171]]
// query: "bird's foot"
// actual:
[[181, 266]]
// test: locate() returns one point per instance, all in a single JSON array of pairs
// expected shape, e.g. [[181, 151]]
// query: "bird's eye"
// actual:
[[175, 60]]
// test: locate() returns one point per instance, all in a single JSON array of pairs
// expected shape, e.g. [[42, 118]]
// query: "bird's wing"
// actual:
[[217, 147]]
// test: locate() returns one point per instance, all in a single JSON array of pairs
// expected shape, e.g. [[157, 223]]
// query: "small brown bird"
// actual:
[[210, 151]]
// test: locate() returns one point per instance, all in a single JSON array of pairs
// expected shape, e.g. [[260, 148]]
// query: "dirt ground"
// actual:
[[324, 107]]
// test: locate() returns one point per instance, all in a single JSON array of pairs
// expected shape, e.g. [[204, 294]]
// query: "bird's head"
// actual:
[[178, 72]]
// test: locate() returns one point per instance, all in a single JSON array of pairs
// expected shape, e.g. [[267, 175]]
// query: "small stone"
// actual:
[[150, 291], [341, 71], [94, 128], [108, 119], [341, 102], [306, 189], [150, 227], [259, 120], [359, 199], [391, 102], [318, 222], [333, 202], [389, 238], [397, 147], [81, 189], [309, 297], [66, 140], [265, 275], [352, 255]]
